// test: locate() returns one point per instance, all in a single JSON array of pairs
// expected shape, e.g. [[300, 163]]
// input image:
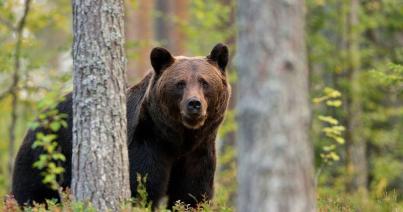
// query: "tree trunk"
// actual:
[[163, 23], [357, 171], [100, 165], [275, 156], [14, 86], [177, 35], [139, 29]]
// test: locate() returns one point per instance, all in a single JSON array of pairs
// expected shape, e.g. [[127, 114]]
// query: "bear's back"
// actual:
[[135, 98], [28, 189]]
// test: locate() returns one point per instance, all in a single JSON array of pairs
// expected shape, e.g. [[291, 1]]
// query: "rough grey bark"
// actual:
[[100, 172], [357, 170], [275, 156]]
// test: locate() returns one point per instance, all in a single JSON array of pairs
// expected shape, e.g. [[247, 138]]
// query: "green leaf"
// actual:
[[58, 170], [37, 144], [328, 119], [49, 178], [51, 165], [42, 116], [339, 128], [51, 148], [334, 156], [34, 125], [49, 137], [339, 140], [55, 126], [318, 100], [333, 103], [39, 135], [329, 148], [59, 156], [63, 123], [41, 162], [333, 93]]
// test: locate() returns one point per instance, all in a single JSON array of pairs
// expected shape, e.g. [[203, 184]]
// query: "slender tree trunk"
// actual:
[[177, 35], [275, 156], [139, 30], [100, 172], [357, 171], [14, 86], [163, 23]]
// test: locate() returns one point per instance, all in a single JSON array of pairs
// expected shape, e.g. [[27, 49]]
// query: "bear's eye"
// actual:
[[204, 83], [180, 85]]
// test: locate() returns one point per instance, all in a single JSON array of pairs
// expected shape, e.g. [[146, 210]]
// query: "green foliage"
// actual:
[[380, 93], [49, 161], [392, 76], [333, 130], [46, 38], [329, 200], [141, 200], [209, 23], [229, 124]]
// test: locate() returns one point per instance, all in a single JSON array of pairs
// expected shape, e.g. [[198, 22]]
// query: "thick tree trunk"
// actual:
[[100, 160], [357, 171], [275, 156]]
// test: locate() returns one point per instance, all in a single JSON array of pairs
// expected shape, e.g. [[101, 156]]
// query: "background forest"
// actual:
[[355, 60]]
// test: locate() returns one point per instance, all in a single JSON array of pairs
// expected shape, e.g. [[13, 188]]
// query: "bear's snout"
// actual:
[[193, 106], [193, 112]]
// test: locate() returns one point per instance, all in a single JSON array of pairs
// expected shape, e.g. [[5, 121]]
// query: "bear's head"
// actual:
[[189, 91]]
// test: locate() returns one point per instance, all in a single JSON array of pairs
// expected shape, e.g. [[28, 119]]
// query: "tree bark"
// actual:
[[275, 156], [100, 165], [357, 170]]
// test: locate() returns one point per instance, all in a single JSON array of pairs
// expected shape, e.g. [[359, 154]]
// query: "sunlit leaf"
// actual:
[[55, 126], [333, 103], [328, 119]]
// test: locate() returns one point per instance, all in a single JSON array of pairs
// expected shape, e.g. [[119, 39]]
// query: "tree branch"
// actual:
[[5, 93], [14, 85], [7, 23]]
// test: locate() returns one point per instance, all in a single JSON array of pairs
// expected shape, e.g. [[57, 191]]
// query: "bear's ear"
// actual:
[[160, 59], [219, 55]]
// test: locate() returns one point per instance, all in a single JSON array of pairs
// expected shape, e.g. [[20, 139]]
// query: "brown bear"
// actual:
[[173, 116]]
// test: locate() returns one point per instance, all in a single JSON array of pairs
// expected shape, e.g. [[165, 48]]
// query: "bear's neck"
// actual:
[[174, 138]]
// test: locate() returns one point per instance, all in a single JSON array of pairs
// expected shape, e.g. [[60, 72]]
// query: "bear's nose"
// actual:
[[194, 106]]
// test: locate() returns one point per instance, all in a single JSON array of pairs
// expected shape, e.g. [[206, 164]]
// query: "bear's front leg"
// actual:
[[155, 167], [192, 177]]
